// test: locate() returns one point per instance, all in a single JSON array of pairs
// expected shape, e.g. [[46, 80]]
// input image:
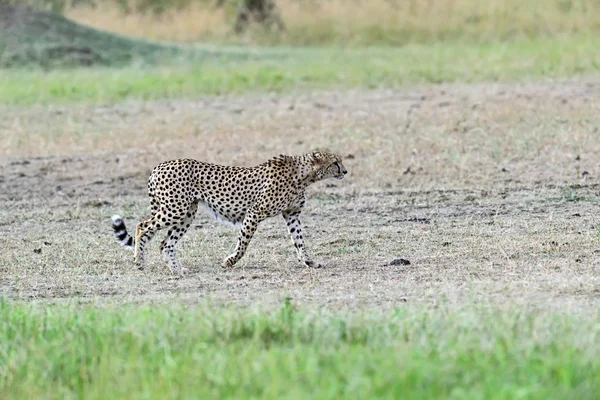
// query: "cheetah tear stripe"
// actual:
[[120, 231]]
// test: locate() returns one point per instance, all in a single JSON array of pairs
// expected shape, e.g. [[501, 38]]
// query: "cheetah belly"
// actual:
[[227, 193], [227, 208], [220, 216]]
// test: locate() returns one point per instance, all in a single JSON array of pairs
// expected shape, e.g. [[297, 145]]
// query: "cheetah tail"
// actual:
[[124, 238]]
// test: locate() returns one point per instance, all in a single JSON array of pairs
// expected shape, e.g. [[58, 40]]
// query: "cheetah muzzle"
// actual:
[[242, 196]]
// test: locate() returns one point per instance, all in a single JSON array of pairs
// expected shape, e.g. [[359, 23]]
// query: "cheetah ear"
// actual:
[[316, 158]]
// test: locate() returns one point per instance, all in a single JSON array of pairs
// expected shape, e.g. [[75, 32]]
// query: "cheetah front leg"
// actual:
[[295, 229], [251, 221]]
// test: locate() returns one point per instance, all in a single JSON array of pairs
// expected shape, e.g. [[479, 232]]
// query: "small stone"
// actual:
[[37, 251], [400, 261]]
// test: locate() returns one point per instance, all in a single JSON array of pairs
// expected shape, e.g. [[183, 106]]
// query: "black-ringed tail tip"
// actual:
[[120, 232]]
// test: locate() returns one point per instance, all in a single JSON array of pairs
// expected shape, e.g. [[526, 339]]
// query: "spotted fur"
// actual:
[[243, 196]]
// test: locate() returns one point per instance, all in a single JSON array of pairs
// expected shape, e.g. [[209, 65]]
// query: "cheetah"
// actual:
[[242, 196]]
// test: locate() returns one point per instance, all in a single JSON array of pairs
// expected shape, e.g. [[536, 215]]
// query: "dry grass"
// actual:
[[191, 24], [362, 21], [490, 191], [451, 135]]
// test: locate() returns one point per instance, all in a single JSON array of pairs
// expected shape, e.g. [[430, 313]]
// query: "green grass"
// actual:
[[151, 352], [238, 70]]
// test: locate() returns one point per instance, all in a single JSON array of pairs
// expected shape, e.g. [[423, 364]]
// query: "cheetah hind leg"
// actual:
[[167, 246], [144, 232]]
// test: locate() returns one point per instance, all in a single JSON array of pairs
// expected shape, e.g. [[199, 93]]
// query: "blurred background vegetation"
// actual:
[[215, 46], [331, 22]]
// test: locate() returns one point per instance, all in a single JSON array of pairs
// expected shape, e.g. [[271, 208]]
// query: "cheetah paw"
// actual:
[[312, 264], [179, 271]]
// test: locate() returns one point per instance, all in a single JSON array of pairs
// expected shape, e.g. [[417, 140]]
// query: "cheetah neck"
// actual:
[[305, 172]]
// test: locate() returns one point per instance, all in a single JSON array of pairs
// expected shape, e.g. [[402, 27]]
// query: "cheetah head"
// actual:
[[328, 165]]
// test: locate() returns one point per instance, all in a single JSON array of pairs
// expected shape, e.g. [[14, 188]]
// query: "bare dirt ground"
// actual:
[[490, 191]]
